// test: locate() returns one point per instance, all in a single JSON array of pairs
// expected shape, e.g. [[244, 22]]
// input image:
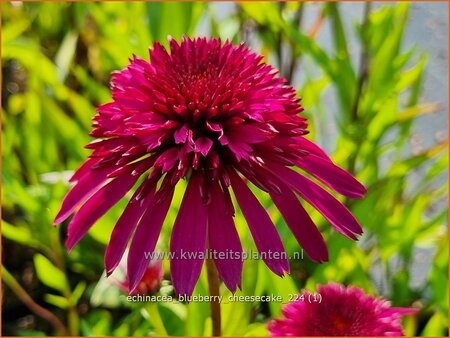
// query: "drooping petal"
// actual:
[[263, 231], [83, 169], [333, 210], [301, 225], [312, 148], [97, 206], [224, 239], [146, 235], [125, 226], [336, 178], [188, 239], [86, 185], [296, 217]]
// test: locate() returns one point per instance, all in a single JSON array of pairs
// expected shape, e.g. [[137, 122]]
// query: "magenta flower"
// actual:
[[150, 281], [216, 115], [336, 310]]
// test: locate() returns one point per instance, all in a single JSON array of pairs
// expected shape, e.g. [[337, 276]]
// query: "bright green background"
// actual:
[[56, 64]]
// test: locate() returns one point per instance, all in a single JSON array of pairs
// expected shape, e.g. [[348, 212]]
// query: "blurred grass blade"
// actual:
[[65, 55]]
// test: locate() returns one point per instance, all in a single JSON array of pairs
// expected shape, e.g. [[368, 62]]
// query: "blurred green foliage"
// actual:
[[56, 63]]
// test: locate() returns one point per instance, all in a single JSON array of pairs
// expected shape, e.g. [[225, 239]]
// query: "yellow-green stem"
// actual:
[[156, 320]]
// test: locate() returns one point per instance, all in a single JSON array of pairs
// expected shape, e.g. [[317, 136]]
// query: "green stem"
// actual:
[[364, 63], [214, 290], [25, 298], [73, 320], [295, 55], [279, 42], [362, 79], [156, 320]]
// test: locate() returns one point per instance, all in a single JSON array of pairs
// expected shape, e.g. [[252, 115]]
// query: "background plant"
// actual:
[[56, 64]]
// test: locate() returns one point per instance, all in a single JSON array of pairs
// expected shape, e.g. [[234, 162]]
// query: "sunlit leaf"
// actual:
[[49, 274]]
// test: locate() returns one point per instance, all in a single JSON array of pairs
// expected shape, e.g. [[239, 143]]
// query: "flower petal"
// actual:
[[224, 239], [167, 159], [146, 235], [333, 210], [263, 231], [97, 206], [124, 228], [181, 134], [83, 169], [312, 148], [86, 185], [203, 145], [296, 217], [188, 239], [333, 176], [399, 311], [301, 225]]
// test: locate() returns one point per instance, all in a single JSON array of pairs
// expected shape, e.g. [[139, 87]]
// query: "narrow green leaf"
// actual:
[[20, 235], [66, 54], [58, 301], [49, 274], [436, 326]]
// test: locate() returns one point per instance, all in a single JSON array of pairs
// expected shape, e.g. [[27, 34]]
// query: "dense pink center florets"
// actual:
[[201, 106], [342, 311]]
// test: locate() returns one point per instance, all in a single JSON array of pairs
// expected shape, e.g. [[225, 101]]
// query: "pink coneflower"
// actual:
[[216, 115], [150, 281], [336, 310]]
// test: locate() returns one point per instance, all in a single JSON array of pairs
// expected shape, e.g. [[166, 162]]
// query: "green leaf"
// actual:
[[173, 18], [311, 47], [20, 235], [339, 34], [412, 75], [439, 276], [284, 287], [265, 13], [436, 326], [78, 292], [234, 314], [31, 333], [197, 312], [173, 316], [58, 301], [98, 323], [416, 111], [12, 30], [49, 274], [257, 330], [152, 314], [66, 54]]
